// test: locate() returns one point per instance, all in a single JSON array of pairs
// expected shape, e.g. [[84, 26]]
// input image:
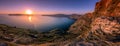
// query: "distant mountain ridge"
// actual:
[[71, 16]]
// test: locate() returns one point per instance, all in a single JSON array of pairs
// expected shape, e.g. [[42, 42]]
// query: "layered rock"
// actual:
[[81, 24], [107, 24], [103, 30], [108, 7]]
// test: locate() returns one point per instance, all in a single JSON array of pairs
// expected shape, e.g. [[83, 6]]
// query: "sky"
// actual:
[[47, 6]]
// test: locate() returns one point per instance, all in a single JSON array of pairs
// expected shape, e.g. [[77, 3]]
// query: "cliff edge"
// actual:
[[108, 8], [100, 28]]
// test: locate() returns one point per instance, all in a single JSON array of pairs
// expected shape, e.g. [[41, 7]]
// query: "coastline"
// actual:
[[19, 36]]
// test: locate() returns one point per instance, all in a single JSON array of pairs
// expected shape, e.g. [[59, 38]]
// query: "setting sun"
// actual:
[[29, 12]]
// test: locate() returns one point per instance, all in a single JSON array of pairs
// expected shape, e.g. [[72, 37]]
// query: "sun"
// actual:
[[29, 11]]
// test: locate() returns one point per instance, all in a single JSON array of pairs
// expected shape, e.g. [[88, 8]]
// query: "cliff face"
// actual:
[[81, 24], [108, 7], [102, 30], [103, 8], [106, 24]]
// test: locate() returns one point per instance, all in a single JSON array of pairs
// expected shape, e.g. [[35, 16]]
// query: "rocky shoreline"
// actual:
[[19, 36]]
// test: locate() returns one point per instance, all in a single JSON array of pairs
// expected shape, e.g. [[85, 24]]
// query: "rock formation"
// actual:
[[108, 7], [102, 28]]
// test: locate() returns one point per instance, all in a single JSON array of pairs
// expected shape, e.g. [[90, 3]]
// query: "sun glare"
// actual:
[[30, 18], [29, 12]]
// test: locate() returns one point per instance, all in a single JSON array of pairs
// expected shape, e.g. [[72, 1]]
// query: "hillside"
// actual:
[[12, 36], [100, 28]]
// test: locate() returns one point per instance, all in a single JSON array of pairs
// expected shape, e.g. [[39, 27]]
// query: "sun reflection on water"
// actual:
[[30, 18]]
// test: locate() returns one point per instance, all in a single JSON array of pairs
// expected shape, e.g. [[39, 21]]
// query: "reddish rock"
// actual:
[[108, 7]]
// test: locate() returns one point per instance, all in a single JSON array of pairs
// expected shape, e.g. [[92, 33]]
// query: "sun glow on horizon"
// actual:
[[28, 12]]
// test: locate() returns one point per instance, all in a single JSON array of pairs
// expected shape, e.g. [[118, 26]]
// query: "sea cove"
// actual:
[[37, 22]]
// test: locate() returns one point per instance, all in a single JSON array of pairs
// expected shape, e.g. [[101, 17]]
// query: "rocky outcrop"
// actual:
[[108, 7], [12, 36], [106, 24], [102, 28], [86, 22], [104, 31], [81, 24]]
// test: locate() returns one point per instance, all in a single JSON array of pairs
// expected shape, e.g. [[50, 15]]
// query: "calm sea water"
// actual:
[[37, 22]]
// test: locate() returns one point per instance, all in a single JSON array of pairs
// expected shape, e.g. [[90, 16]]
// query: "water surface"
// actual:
[[37, 22]]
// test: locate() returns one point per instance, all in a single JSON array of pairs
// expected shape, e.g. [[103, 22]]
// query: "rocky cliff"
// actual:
[[103, 31], [12, 36], [81, 24], [100, 28], [108, 7]]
